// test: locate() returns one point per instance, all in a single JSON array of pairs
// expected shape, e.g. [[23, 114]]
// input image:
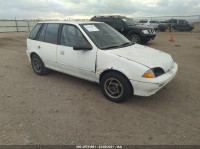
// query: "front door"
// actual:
[[182, 25], [79, 63]]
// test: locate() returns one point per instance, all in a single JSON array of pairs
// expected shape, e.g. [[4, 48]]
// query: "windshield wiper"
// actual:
[[111, 47], [126, 44], [119, 46]]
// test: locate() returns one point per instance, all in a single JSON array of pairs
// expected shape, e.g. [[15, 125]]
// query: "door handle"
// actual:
[[62, 52]]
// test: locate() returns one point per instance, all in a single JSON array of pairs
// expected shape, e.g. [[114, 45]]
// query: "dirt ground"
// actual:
[[61, 109]]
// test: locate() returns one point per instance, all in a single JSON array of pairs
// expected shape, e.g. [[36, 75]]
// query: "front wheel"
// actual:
[[115, 87], [134, 39]]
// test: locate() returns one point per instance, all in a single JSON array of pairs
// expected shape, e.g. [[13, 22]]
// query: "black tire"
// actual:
[[115, 87], [162, 30], [134, 38], [145, 42], [38, 65]]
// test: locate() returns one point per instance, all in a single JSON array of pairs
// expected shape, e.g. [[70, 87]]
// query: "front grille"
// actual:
[[151, 31]]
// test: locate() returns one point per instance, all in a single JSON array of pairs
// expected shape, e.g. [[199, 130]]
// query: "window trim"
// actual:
[[36, 33], [39, 32]]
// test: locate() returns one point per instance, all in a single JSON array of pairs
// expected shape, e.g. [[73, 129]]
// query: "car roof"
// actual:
[[70, 22], [114, 16]]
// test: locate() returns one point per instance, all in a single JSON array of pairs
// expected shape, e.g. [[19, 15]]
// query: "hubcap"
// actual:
[[37, 65], [134, 39], [113, 88]]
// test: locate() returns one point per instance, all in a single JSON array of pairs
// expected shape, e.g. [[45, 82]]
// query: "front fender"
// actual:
[[107, 61]]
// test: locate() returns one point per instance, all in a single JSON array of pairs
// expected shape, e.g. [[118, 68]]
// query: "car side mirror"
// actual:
[[82, 47]]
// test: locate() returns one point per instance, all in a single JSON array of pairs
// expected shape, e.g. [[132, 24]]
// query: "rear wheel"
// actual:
[[38, 65], [134, 38], [115, 87], [162, 30]]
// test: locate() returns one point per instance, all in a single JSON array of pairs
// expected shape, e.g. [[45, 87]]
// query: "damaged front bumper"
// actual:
[[149, 86]]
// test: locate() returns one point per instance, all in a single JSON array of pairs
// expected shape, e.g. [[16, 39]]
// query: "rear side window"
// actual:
[[152, 22], [117, 23], [108, 21], [42, 33], [142, 21], [34, 31], [182, 22], [51, 33], [175, 21]]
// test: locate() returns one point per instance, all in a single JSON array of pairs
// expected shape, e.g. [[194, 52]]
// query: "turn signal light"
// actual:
[[147, 75]]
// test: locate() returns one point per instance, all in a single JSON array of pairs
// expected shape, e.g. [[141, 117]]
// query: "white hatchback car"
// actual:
[[96, 52]]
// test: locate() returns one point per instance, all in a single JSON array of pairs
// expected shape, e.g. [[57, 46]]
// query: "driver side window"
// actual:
[[72, 36]]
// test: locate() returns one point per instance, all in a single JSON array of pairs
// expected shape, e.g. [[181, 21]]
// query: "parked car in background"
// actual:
[[153, 23], [149, 23], [97, 52], [162, 27], [181, 25], [129, 28]]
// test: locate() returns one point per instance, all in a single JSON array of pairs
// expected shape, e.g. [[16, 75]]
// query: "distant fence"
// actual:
[[27, 25], [195, 19], [22, 25], [16, 25], [192, 18]]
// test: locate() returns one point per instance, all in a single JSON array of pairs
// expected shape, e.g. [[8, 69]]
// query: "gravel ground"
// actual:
[[60, 109]]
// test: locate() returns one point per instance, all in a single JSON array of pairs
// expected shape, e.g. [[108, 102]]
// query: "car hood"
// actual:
[[146, 56]]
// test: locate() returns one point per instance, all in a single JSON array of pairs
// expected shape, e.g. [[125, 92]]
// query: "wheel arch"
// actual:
[[132, 32], [33, 53], [116, 71]]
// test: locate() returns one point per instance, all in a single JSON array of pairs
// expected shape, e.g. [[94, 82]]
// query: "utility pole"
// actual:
[[16, 24]]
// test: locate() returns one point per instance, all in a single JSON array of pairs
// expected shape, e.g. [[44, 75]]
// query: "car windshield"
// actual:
[[129, 22], [104, 36]]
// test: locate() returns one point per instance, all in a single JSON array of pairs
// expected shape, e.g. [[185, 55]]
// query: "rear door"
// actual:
[[47, 44], [31, 43]]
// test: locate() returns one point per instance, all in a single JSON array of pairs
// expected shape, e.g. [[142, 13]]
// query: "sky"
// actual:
[[85, 9]]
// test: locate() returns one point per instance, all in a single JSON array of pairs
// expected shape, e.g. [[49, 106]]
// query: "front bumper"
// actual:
[[147, 37], [148, 87]]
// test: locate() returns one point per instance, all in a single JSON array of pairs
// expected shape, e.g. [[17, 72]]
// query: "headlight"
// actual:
[[145, 31], [149, 74], [154, 72], [158, 71]]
